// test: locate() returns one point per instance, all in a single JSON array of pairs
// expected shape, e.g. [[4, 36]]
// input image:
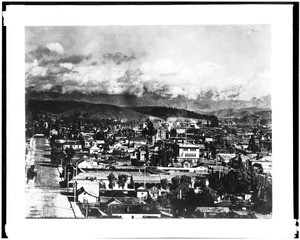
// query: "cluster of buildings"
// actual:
[[122, 169]]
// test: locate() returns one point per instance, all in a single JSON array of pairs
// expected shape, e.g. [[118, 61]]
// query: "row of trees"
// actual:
[[121, 180], [245, 181]]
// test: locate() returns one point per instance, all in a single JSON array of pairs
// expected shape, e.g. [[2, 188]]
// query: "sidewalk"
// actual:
[[76, 210]]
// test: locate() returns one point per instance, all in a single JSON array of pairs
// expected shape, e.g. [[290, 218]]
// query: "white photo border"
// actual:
[[282, 224]]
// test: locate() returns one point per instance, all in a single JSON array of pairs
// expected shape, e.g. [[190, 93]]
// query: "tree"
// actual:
[[159, 144], [205, 198], [262, 197], [243, 181], [173, 132], [112, 180], [175, 151], [99, 135], [102, 185], [164, 183], [252, 146], [147, 155], [213, 150], [122, 179], [70, 152], [149, 130], [185, 179], [254, 131], [229, 182], [134, 162], [162, 158], [131, 183], [175, 181], [149, 200]]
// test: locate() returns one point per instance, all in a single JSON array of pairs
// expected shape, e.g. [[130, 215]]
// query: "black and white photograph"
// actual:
[[149, 121]]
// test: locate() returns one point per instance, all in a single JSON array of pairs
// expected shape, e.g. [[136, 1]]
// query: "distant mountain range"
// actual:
[[264, 113], [60, 107], [202, 104]]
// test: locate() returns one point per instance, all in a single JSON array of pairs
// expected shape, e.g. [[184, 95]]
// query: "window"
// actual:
[[190, 155]]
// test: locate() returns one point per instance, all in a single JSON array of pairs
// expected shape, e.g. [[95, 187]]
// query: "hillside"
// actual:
[[71, 107], [245, 115], [166, 112], [111, 111], [243, 112]]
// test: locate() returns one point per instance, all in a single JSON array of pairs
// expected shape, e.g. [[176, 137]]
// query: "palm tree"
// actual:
[[122, 179]]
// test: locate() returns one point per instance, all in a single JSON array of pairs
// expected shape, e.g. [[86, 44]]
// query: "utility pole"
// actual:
[[65, 172], [68, 182], [87, 211], [76, 168], [75, 191], [144, 176]]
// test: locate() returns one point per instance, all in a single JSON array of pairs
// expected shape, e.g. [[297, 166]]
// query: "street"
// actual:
[[44, 197]]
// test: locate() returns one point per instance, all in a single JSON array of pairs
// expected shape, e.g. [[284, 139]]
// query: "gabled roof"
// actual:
[[94, 148], [82, 191], [257, 165], [182, 186], [79, 160], [142, 189], [113, 201]]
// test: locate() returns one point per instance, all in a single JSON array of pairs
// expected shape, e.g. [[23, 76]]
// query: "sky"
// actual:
[[217, 61]]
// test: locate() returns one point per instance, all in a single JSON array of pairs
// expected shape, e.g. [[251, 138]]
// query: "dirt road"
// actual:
[[43, 193]]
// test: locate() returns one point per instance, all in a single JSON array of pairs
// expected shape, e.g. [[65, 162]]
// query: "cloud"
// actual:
[[46, 87], [38, 82], [67, 65], [55, 47], [100, 79], [118, 58], [42, 55], [164, 76], [90, 47], [30, 65], [74, 59], [56, 69], [39, 71], [259, 85], [178, 79]]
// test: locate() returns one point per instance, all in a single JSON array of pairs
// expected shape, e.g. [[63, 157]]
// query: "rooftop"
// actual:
[[133, 209]]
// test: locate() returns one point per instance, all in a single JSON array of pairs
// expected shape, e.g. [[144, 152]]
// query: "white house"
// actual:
[[141, 193], [94, 149], [85, 196], [189, 153]]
